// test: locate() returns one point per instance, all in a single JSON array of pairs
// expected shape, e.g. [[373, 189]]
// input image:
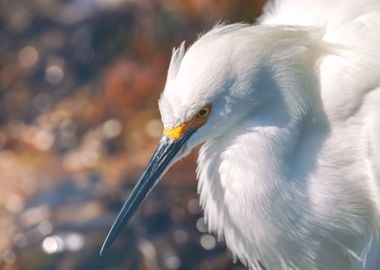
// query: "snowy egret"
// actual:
[[288, 112]]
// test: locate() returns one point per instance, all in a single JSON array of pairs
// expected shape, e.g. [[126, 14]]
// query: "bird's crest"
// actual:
[[175, 61]]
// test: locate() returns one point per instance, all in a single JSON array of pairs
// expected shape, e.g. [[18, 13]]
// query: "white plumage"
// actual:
[[289, 171]]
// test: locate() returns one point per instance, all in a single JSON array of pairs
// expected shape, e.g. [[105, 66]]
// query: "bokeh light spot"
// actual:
[[19, 240], [28, 56], [193, 206], [43, 140], [154, 128], [14, 203], [52, 244], [172, 262], [42, 102], [9, 256], [180, 236], [201, 225], [54, 74], [112, 128], [208, 241], [74, 241], [45, 227]]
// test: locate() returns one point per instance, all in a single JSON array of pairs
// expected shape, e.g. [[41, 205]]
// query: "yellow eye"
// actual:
[[204, 111]]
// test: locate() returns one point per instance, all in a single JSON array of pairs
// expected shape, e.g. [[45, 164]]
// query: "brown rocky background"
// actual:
[[79, 83]]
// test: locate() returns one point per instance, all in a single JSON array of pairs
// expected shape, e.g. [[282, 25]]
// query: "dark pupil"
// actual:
[[202, 112]]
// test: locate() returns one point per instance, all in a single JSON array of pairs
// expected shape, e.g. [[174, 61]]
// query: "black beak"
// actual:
[[161, 160]]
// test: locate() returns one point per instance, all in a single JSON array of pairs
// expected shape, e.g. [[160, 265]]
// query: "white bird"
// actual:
[[288, 112]]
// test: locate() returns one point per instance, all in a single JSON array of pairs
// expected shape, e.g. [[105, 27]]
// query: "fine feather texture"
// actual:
[[289, 172]]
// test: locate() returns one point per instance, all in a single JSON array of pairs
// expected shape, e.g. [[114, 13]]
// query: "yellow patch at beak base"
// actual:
[[175, 133], [196, 122]]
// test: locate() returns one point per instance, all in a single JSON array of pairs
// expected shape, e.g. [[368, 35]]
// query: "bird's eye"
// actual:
[[204, 112]]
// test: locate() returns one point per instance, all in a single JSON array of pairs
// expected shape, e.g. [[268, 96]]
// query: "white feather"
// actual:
[[290, 166]]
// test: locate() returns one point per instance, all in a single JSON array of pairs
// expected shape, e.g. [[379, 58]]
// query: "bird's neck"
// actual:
[[246, 177], [249, 164], [263, 191]]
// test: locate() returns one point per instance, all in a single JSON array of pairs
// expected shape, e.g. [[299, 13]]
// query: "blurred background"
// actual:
[[79, 84]]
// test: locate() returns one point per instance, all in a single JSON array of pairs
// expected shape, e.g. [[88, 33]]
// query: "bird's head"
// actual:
[[225, 76]]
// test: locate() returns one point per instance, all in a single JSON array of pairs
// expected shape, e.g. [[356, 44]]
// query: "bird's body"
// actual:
[[302, 191], [289, 172]]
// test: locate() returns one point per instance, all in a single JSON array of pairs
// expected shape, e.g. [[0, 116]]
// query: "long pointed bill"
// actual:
[[161, 160]]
